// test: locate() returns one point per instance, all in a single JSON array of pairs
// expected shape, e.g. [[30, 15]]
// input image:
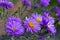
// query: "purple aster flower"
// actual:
[[44, 10], [44, 2], [37, 17], [41, 37], [37, 5], [58, 1], [51, 28], [47, 17], [31, 25], [6, 4], [48, 22], [26, 2], [14, 26], [57, 10]]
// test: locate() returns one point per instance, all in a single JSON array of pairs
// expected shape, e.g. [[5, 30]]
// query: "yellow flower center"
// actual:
[[13, 28], [38, 19], [31, 24], [59, 22]]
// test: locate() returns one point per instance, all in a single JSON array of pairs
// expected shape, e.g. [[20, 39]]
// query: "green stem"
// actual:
[[4, 14], [12, 38]]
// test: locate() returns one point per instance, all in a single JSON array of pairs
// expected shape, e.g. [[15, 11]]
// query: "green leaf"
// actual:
[[53, 2]]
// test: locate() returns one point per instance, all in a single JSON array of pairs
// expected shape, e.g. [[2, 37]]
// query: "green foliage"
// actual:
[[53, 3], [14, 1]]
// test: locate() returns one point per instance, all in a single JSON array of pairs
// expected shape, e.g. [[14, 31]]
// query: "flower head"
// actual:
[[31, 25], [41, 37], [6, 4], [48, 22], [26, 2], [47, 18], [37, 17], [14, 26], [37, 5], [58, 1], [57, 10], [51, 28], [44, 2]]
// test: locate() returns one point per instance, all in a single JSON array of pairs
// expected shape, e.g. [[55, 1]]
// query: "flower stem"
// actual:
[[12, 38]]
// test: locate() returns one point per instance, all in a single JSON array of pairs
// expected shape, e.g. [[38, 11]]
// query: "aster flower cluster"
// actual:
[[32, 20], [42, 2], [48, 22], [6, 4], [33, 24]]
